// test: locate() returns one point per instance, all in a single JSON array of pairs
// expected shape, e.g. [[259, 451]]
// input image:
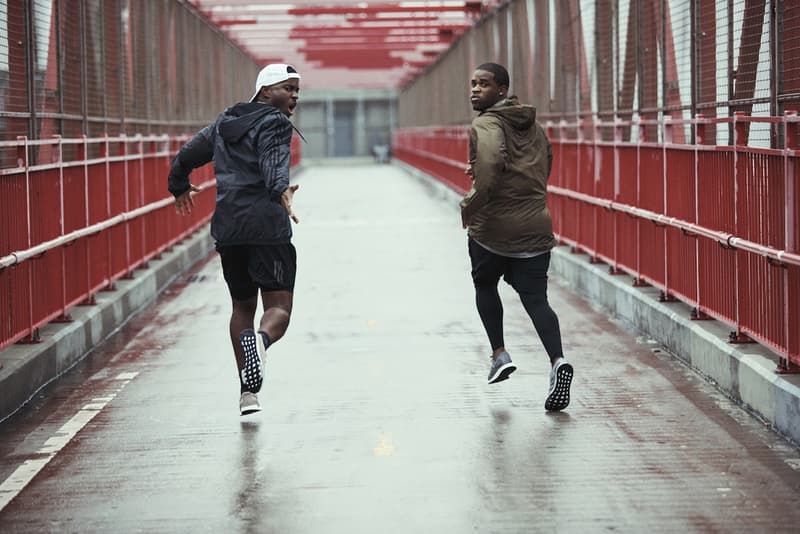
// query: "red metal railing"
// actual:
[[69, 229], [713, 226]]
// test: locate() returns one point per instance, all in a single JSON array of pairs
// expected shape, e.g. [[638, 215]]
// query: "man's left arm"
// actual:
[[274, 154], [274, 149], [549, 152]]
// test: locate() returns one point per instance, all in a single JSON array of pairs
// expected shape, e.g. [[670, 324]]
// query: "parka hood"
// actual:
[[518, 116], [238, 119]]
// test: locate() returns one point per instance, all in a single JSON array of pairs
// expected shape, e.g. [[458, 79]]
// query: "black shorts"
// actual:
[[248, 268], [525, 275]]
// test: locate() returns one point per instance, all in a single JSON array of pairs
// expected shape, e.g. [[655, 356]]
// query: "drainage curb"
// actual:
[[26, 369], [745, 373]]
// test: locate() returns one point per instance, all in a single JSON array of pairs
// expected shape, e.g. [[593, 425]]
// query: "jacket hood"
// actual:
[[518, 116], [237, 120]]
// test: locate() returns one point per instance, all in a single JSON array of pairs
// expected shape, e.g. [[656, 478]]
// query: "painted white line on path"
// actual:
[[22, 475]]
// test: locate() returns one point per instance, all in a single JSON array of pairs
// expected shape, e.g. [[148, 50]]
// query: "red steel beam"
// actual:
[[706, 68], [468, 7], [327, 29], [626, 90], [294, 34], [361, 41], [371, 26], [671, 88], [343, 31], [604, 56], [749, 49], [269, 21], [790, 38], [648, 59], [356, 19], [370, 62], [359, 48], [541, 56], [233, 22], [236, 18]]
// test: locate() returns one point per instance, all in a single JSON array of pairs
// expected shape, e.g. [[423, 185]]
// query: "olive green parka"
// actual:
[[510, 159]]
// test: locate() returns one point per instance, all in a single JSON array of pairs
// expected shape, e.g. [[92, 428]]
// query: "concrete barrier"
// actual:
[[27, 368]]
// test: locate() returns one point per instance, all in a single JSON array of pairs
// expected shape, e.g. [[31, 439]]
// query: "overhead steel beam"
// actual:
[[346, 32], [364, 27], [359, 48], [362, 30], [390, 36], [469, 7], [389, 39]]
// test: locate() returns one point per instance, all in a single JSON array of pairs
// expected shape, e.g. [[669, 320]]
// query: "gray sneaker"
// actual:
[[501, 368], [253, 370], [248, 403], [560, 380]]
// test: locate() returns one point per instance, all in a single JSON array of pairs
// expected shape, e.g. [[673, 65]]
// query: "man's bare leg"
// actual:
[[242, 316], [277, 312]]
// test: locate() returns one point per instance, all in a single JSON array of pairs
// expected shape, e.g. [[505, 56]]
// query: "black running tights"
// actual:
[[528, 277]]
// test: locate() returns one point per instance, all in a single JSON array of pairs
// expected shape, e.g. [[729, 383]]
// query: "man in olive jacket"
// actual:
[[509, 226]]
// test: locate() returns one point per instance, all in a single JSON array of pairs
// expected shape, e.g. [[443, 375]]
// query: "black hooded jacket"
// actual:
[[249, 144]]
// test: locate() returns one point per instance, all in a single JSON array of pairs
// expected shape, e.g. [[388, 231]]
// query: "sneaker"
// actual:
[[248, 403], [253, 370], [501, 368], [560, 380]]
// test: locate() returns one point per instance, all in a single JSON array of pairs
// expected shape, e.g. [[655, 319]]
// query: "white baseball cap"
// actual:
[[272, 74]]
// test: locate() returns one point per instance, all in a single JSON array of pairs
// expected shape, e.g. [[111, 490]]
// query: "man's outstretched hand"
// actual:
[[184, 203], [286, 199]]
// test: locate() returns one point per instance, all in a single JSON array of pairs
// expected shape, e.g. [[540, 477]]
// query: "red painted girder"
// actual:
[[352, 19], [355, 19], [371, 26], [346, 31], [470, 7], [369, 41], [271, 18], [364, 55], [377, 82], [293, 32], [350, 62], [374, 60], [375, 26], [358, 48], [232, 22]]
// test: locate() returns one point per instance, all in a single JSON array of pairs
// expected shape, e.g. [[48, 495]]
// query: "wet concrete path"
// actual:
[[377, 416]]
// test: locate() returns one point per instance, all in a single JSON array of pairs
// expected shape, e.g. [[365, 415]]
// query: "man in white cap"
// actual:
[[249, 144]]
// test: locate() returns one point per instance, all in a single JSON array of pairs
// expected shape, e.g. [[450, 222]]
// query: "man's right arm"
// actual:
[[195, 153], [490, 160]]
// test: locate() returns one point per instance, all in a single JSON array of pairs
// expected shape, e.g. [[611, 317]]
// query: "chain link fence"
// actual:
[[95, 67], [597, 60]]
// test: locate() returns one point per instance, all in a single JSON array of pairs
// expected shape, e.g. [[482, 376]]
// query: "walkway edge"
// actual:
[[745, 373], [26, 369]]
